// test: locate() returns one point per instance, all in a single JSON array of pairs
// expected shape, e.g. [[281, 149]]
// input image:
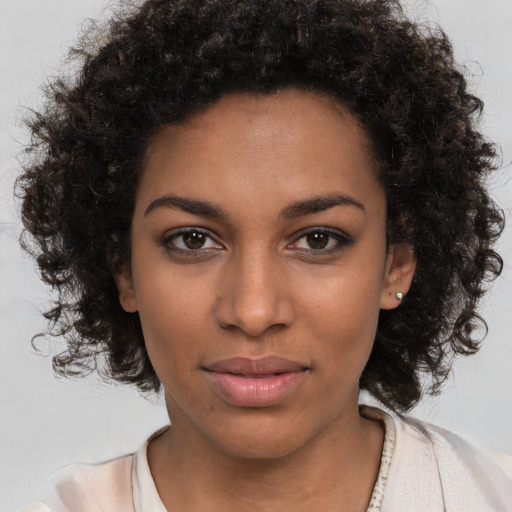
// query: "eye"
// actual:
[[321, 240], [190, 239], [317, 240]]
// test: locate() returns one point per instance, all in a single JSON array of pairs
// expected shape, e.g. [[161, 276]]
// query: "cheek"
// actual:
[[174, 318], [343, 314]]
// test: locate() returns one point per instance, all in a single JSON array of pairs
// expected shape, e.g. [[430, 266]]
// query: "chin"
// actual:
[[261, 438]]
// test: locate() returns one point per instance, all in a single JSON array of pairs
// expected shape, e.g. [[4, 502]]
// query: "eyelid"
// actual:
[[166, 240], [342, 238]]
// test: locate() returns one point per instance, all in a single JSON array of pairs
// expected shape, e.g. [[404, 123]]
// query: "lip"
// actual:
[[264, 382]]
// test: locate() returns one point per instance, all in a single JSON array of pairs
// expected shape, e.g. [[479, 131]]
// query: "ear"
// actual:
[[400, 267], [124, 283]]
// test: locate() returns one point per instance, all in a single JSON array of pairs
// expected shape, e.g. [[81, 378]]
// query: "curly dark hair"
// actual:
[[159, 62]]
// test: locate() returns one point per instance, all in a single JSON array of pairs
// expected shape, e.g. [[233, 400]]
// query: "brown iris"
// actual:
[[194, 239], [317, 240]]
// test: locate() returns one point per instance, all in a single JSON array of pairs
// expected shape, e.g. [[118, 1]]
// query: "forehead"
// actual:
[[286, 144]]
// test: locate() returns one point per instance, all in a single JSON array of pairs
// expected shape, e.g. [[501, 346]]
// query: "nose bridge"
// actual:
[[254, 296]]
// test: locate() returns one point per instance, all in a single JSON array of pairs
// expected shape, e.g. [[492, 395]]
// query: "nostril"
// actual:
[[253, 296], [253, 321]]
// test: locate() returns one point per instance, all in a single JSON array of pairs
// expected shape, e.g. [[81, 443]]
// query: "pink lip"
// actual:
[[255, 382]]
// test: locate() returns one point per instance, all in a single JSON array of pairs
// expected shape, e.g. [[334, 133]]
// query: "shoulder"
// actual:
[[89, 488], [124, 484], [469, 471], [453, 446], [434, 469], [37, 506]]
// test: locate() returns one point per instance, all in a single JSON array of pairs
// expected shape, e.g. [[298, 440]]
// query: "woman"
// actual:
[[264, 208]]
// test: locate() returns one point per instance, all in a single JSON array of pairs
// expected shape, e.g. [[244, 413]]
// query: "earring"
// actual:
[[399, 296]]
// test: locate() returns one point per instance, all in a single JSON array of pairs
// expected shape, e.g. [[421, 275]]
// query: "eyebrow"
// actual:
[[297, 209], [194, 206], [319, 204]]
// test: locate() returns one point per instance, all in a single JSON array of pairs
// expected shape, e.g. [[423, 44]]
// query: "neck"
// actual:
[[338, 466]]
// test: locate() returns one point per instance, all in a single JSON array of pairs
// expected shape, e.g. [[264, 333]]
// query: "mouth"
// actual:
[[246, 382]]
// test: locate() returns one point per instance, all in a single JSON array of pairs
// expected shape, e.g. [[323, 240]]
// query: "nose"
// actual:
[[255, 296]]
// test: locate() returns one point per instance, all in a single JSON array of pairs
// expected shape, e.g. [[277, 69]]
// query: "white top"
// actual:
[[423, 468]]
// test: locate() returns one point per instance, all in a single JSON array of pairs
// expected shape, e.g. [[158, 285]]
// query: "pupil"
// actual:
[[194, 240], [317, 240]]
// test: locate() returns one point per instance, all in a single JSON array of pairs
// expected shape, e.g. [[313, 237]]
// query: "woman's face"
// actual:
[[258, 269]]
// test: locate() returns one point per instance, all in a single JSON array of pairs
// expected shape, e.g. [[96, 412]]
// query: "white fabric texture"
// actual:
[[423, 468], [433, 470]]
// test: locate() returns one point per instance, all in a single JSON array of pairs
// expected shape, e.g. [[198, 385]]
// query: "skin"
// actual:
[[258, 287]]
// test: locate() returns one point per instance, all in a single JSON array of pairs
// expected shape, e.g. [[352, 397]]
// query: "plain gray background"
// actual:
[[45, 423]]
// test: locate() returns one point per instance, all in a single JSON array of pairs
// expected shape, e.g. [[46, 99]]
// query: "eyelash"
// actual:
[[168, 244], [341, 239]]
